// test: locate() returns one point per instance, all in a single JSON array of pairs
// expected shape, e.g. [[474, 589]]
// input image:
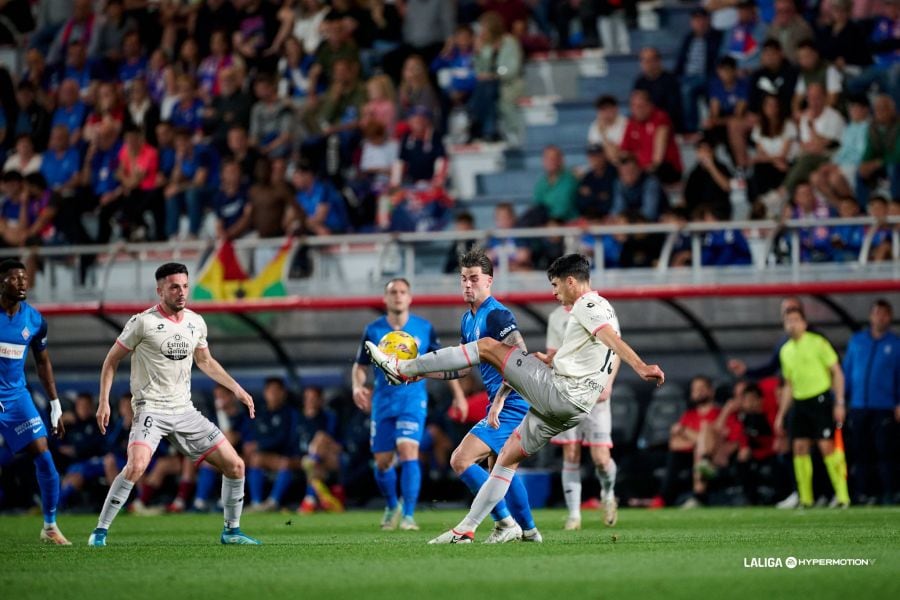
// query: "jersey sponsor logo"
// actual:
[[176, 347], [14, 351], [506, 330], [34, 422]]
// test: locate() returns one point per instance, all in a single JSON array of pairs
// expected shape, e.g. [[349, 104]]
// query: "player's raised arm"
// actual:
[[608, 336], [215, 371], [107, 374]]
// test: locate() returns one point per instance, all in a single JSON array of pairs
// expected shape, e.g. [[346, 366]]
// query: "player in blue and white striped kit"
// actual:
[[20, 424]]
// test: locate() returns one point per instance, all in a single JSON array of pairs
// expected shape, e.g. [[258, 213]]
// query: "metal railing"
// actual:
[[396, 253]]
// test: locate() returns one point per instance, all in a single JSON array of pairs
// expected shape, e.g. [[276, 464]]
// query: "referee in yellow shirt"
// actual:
[[814, 385]]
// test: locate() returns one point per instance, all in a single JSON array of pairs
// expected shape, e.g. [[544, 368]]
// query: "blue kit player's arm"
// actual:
[[45, 374], [362, 395]]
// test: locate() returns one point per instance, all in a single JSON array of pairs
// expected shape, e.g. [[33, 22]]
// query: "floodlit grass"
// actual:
[[651, 554]]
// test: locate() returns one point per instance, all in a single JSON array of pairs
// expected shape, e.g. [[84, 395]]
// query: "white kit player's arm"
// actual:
[[107, 374], [611, 339], [215, 371]]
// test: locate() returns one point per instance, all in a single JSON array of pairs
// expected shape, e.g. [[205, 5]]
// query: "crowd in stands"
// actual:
[[305, 116]]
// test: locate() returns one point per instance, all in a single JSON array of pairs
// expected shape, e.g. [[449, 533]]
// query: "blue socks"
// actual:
[[517, 499], [282, 483], [206, 481], [255, 481], [474, 477], [48, 481], [387, 483], [410, 484]]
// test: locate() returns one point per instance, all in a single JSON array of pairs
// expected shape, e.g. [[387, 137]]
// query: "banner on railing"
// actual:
[[223, 278]]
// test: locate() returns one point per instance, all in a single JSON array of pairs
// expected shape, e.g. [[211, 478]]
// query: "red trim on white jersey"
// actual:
[[119, 342], [172, 318]]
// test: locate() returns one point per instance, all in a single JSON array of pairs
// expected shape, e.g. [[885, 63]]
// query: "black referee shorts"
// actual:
[[813, 418]]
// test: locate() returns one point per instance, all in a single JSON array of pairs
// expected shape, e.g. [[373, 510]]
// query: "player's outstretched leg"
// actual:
[[446, 359]]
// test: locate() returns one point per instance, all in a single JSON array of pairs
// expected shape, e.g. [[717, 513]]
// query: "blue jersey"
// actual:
[[25, 329], [393, 400], [492, 320]]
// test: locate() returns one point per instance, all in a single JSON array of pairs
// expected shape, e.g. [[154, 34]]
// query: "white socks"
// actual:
[[115, 500], [452, 358], [607, 479], [571, 484], [493, 490], [233, 501]]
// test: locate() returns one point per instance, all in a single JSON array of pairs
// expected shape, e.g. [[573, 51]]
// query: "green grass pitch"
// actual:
[[656, 554]]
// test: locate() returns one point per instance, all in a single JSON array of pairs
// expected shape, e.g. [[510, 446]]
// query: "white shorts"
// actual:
[[595, 430], [190, 433]]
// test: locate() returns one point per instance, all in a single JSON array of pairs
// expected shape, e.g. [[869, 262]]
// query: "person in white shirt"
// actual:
[[608, 129], [821, 128], [164, 342], [25, 160], [561, 390]]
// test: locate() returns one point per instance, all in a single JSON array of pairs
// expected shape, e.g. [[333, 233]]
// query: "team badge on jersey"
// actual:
[[26, 333]]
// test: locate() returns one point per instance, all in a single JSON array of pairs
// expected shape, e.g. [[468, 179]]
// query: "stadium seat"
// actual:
[[626, 411], [665, 408]]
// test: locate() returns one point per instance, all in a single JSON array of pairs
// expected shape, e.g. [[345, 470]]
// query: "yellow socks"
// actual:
[[803, 472], [837, 472]]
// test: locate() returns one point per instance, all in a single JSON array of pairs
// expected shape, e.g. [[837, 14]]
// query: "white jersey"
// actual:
[[162, 357], [583, 366], [556, 327]]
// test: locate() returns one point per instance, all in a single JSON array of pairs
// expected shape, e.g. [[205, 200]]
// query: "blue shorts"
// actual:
[[89, 469], [495, 438], [386, 432], [20, 423]]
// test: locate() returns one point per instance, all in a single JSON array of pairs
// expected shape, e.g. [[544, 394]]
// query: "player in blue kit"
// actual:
[[487, 317], [20, 424], [398, 412]]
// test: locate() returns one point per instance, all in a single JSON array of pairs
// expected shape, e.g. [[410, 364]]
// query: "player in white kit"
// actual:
[[561, 392], [165, 341], [594, 432]]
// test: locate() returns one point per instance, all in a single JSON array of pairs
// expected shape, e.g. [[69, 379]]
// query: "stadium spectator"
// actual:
[[231, 106], [847, 240], [637, 193], [814, 385], [493, 107], [463, 221], [33, 120], [76, 68], [319, 209], [319, 445], [836, 179], [186, 187], [661, 86], [427, 24], [334, 121], [101, 164], [160, 77], [789, 28], [265, 214], [728, 95], [140, 111], [112, 28], [273, 445], [724, 247], [381, 104], [821, 128], [210, 69], [212, 16], [416, 90], [744, 41], [50, 16], [82, 448], [70, 111], [230, 200], [775, 76], [80, 28], [878, 208], [308, 16], [841, 40], [187, 109], [775, 141], [257, 26], [337, 46], [882, 157], [594, 197], [586, 11], [377, 159], [509, 253], [133, 65], [239, 148], [650, 137], [608, 128], [884, 35], [815, 243], [107, 108], [813, 69], [454, 67], [61, 164], [24, 160], [872, 367], [695, 65], [554, 191], [708, 184], [270, 119], [294, 70], [138, 169], [422, 154]]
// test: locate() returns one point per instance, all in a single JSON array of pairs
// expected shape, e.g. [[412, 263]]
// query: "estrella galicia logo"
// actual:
[[176, 347]]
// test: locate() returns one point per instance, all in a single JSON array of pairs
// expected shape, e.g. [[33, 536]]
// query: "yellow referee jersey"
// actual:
[[806, 364]]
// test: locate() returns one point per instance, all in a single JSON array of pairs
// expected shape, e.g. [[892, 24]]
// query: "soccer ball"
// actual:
[[399, 344]]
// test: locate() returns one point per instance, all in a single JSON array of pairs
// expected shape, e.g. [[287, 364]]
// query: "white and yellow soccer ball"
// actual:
[[399, 344]]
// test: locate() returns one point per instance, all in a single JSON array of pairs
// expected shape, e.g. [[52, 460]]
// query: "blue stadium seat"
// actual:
[[665, 408]]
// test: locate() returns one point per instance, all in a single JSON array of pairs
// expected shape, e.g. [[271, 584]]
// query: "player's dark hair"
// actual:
[[791, 310], [395, 280], [753, 388], [170, 269], [476, 257], [9, 264], [570, 265], [883, 303]]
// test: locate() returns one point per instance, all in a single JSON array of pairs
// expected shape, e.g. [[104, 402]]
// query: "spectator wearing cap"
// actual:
[[650, 138], [837, 178], [323, 207], [883, 41], [709, 183], [554, 191], [493, 107], [637, 195], [744, 41], [608, 128], [661, 85], [695, 65], [882, 157], [594, 196], [789, 28]]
